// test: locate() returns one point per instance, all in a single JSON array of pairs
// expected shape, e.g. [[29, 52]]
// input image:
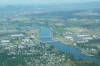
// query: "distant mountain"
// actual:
[[90, 5], [54, 7]]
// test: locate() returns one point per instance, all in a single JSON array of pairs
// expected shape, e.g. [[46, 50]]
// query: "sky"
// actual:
[[11, 2]]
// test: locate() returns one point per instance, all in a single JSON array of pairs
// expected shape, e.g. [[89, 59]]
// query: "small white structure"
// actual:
[[17, 35], [69, 37], [5, 41], [82, 35]]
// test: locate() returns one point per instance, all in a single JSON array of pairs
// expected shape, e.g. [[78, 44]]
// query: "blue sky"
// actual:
[[6, 2]]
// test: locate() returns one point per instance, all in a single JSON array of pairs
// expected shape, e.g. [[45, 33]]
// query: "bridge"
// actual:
[[48, 41], [44, 36]]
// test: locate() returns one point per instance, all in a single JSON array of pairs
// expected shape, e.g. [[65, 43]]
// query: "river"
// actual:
[[44, 36]]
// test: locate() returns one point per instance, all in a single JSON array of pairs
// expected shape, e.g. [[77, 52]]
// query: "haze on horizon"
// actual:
[[37, 2]]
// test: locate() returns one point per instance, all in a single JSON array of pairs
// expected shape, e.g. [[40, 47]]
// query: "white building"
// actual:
[[5, 41]]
